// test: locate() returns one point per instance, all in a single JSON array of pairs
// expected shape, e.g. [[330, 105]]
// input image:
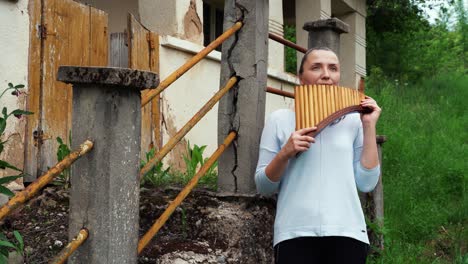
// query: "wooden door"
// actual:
[[62, 32]]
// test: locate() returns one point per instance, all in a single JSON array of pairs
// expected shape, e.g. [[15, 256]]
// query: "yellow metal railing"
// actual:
[[189, 64], [186, 128], [33, 188], [183, 194], [71, 247]]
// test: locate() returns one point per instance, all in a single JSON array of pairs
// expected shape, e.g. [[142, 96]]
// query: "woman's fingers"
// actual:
[[307, 139], [306, 130]]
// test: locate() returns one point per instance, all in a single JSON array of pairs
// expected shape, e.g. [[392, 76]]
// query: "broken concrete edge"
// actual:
[[120, 77], [331, 23]]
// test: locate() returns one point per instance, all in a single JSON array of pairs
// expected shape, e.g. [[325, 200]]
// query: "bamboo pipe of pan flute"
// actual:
[[307, 109], [297, 107]]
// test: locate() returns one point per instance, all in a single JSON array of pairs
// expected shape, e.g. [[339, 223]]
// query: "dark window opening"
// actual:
[[213, 16]]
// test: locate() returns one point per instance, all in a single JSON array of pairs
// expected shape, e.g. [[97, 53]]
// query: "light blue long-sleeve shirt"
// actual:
[[317, 194]]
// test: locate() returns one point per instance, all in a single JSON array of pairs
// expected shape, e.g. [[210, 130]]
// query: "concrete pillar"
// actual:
[[307, 10], [243, 108], [105, 183], [275, 49], [326, 33], [353, 45]]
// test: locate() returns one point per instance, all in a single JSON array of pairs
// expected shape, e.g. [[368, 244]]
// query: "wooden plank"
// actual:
[[99, 47], [118, 50], [139, 54], [155, 104], [34, 90], [67, 43]]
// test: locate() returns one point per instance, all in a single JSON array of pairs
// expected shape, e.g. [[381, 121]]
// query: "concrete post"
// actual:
[[326, 33], [104, 183], [243, 108], [307, 10]]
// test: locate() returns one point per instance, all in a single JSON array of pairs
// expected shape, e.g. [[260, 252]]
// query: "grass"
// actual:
[[194, 159], [424, 169]]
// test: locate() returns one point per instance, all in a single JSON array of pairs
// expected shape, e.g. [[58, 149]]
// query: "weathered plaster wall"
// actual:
[[181, 18], [186, 96], [14, 32], [117, 10], [275, 49]]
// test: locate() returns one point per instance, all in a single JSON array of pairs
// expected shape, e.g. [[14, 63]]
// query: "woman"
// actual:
[[319, 217]]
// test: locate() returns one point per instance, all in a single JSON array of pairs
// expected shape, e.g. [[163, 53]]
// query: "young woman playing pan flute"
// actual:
[[319, 217]]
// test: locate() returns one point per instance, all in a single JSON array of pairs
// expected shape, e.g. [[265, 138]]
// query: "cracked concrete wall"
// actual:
[[14, 29], [243, 108]]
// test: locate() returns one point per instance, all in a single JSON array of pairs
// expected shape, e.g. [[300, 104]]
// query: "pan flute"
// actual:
[[320, 105]]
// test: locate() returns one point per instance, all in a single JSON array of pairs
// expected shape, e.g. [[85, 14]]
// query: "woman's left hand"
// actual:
[[372, 117]]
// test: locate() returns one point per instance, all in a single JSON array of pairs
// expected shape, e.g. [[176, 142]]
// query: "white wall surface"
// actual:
[[14, 44]]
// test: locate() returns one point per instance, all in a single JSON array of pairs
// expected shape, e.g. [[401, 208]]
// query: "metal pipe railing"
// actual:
[[66, 252], [286, 42], [187, 127], [189, 64], [42, 181], [280, 92], [184, 193]]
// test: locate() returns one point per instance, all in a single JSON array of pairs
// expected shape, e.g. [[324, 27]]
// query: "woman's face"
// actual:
[[321, 67]]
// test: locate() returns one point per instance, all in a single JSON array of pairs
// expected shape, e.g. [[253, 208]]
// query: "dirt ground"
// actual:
[[207, 228]]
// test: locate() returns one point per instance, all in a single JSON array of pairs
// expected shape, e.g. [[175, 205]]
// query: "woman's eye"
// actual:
[[315, 68], [333, 69]]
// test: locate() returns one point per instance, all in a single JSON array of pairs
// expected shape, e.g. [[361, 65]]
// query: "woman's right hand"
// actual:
[[298, 142]]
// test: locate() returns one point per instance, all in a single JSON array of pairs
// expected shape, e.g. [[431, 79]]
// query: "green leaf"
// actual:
[[4, 112], [20, 239], [8, 179], [6, 191], [59, 140], [7, 244], [2, 125], [21, 112], [4, 164], [19, 86], [10, 85], [1, 147]]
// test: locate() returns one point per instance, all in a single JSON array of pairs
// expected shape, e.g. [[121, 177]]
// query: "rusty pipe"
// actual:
[[189, 64], [71, 247], [42, 181], [280, 92], [144, 241], [287, 42], [186, 128]]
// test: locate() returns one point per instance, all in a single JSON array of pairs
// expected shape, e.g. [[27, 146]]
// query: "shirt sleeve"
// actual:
[[366, 179], [269, 147]]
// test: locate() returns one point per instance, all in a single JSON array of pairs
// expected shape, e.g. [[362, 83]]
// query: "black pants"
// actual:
[[311, 250]]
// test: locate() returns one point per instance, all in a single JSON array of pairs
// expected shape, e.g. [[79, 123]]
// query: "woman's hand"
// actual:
[[298, 142], [372, 117]]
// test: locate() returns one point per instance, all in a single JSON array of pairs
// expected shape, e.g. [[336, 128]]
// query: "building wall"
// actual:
[[191, 91], [117, 10], [180, 20], [14, 32]]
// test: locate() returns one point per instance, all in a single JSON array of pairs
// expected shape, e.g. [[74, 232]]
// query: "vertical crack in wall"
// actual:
[[234, 116]]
